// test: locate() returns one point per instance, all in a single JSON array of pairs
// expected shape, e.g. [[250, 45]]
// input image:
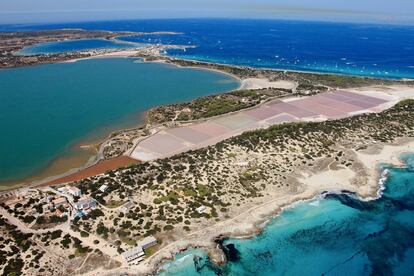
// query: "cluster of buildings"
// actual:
[[82, 204], [137, 253], [54, 204], [70, 198], [50, 204]]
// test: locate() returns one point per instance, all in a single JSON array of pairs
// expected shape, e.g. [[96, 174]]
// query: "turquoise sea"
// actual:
[[336, 234], [45, 110]]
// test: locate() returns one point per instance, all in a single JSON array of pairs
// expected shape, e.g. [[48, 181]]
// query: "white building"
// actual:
[[103, 188], [71, 190], [127, 206], [147, 242], [74, 191], [201, 209], [85, 204], [133, 254]]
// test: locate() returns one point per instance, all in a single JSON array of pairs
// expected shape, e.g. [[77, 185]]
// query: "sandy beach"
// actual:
[[74, 160], [100, 167], [83, 156]]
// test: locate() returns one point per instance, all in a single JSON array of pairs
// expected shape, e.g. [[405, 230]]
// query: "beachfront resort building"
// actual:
[[135, 254], [147, 242]]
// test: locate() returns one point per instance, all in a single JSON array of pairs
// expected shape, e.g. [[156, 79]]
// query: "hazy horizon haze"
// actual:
[[50, 11]]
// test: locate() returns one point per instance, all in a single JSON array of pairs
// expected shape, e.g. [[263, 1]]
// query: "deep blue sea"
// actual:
[[357, 49], [337, 235]]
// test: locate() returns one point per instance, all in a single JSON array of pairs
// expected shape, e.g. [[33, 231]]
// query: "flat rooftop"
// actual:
[[321, 107]]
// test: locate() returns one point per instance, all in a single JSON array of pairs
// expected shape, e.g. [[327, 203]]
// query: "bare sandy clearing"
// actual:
[[256, 83]]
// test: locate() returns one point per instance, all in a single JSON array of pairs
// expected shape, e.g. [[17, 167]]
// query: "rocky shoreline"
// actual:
[[219, 254]]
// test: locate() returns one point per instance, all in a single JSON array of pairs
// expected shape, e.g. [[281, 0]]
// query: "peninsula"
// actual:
[[12, 42]]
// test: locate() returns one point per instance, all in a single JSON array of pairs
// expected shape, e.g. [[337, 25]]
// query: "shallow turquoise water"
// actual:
[[45, 109], [337, 235], [75, 45]]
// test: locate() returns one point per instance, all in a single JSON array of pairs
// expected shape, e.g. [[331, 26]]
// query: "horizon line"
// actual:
[[52, 22]]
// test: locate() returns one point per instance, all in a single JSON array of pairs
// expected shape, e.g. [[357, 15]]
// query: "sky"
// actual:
[[46, 11]]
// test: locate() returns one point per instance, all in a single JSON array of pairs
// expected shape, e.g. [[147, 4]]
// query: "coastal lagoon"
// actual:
[[336, 234], [47, 110], [76, 45]]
